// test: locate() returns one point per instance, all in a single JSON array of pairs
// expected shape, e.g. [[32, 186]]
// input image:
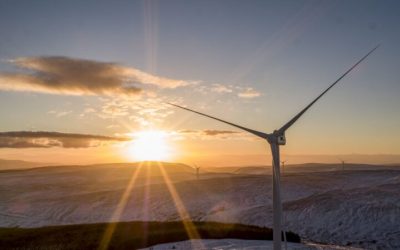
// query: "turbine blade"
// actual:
[[294, 119], [254, 132]]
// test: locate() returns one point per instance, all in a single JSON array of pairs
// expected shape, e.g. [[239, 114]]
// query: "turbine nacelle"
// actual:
[[277, 137], [280, 137]]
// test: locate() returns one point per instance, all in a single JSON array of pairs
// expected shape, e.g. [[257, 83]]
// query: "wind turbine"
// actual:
[[275, 139], [197, 168], [283, 166], [343, 162]]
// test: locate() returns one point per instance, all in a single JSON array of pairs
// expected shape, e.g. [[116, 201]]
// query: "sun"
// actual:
[[150, 145]]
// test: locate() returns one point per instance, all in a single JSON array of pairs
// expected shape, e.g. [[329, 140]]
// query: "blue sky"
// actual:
[[283, 53]]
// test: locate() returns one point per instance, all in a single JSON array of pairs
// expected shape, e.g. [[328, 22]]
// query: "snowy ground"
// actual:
[[353, 208], [235, 244]]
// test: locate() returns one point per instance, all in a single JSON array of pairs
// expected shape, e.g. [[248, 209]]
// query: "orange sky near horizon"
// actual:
[[205, 151]]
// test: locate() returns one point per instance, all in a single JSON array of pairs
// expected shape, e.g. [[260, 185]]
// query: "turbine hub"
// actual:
[[279, 137]]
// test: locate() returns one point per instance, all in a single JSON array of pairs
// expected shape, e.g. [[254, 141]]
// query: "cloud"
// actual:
[[44, 139], [89, 110], [188, 131], [72, 76], [219, 132], [249, 93], [142, 112], [211, 134], [59, 113], [238, 91], [219, 88], [114, 108]]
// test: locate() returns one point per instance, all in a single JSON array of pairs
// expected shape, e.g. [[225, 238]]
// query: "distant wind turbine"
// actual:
[[276, 139], [197, 168], [343, 162], [283, 166]]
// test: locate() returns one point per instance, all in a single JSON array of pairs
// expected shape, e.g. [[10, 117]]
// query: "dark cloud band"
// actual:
[[44, 139], [64, 75]]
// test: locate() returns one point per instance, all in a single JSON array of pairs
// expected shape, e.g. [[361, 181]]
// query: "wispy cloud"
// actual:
[[114, 108], [211, 134], [59, 113], [87, 111], [238, 91], [44, 139], [219, 132], [140, 112], [249, 93], [72, 76], [220, 88]]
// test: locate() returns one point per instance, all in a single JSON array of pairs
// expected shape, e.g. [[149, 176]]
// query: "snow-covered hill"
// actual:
[[357, 208], [229, 244]]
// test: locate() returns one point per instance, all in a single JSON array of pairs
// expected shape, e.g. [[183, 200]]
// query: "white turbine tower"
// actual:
[[276, 139]]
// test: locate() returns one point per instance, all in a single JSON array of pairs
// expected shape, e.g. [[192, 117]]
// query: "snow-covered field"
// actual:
[[355, 207], [235, 244]]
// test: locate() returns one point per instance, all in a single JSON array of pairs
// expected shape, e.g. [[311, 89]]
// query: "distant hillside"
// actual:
[[313, 167], [17, 164], [305, 167], [253, 170], [153, 165], [145, 168], [93, 178]]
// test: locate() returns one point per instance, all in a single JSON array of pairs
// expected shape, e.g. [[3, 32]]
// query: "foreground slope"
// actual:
[[126, 235]]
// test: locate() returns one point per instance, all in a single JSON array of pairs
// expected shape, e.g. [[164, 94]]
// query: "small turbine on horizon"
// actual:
[[343, 162], [283, 166], [197, 168], [275, 139]]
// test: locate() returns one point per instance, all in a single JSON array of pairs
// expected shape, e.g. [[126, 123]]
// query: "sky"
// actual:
[[81, 80]]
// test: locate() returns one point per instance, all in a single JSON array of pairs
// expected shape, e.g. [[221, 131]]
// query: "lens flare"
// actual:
[[150, 145]]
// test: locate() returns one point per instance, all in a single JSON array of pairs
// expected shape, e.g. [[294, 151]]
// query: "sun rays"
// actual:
[[180, 207], [181, 210], [118, 210]]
